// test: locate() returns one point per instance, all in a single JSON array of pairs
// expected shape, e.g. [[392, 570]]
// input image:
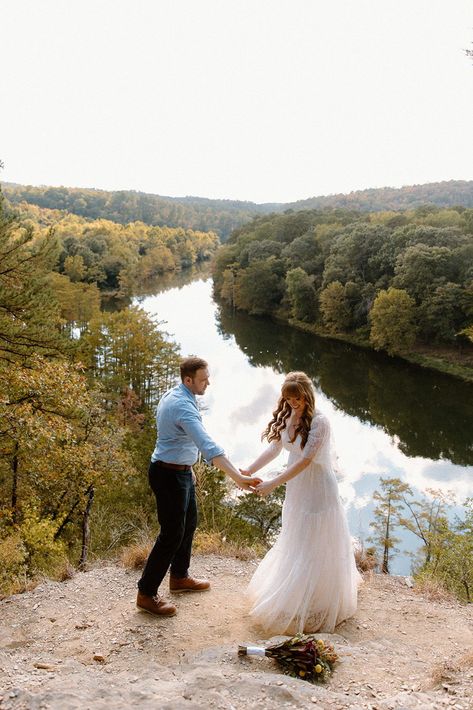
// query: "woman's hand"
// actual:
[[245, 471], [265, 487]]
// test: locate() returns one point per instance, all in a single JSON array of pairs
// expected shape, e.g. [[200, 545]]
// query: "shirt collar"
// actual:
[[182, 387]]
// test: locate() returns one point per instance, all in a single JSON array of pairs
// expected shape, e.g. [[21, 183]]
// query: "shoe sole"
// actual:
[[147, 611], [183, 591]]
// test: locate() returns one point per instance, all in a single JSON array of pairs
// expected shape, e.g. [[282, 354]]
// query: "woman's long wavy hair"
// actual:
[[296, 384]]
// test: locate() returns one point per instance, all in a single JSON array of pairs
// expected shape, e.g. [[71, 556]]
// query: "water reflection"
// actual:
[[429, 415], [111, 303]]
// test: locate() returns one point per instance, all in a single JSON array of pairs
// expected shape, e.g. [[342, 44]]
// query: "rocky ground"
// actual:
[[83, 644]]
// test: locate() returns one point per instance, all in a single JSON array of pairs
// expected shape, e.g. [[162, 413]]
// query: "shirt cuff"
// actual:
[[211, 452]]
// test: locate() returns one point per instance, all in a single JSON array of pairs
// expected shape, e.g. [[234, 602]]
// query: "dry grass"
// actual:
[[446, 672], [212, 543], [365, 560], [433, 590], [466, 661], [66, 572], [135, 555]]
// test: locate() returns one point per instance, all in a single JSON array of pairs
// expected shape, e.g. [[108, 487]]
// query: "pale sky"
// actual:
[[261, 100]]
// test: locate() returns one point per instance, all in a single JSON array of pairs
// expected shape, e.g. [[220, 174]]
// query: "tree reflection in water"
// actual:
[[430, 414]]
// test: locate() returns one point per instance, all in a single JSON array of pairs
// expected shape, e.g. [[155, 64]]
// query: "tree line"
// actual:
[[448, 193], [224, 216], [389, 279], [113, 256], [126, 206]]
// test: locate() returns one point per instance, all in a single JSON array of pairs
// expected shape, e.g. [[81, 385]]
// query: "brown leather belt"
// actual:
[[176, 466]]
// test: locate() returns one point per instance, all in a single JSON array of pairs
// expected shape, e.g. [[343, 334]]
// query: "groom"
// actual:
[[181, 436]]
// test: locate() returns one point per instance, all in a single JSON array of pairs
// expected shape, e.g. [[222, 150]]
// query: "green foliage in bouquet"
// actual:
[[302, 656]]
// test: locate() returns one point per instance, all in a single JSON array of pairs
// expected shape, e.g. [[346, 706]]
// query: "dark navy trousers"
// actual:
[[177, 517]]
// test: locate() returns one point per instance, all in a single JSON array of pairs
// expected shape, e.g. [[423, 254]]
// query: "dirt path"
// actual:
[[391, 652]]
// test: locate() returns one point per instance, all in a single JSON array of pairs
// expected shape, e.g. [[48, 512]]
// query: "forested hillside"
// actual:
[[223, 216], [391, 279], [196, 213], [449, 193], [112, 256]]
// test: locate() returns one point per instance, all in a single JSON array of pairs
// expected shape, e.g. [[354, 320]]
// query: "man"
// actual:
[[181, 436]]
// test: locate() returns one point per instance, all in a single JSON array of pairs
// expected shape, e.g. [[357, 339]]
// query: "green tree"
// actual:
[[301, 294], [128, 350], [392, 319], [420, 267], [78, 302], [334, 307], [263, 513], [426, 518], [441, 315], [57, 445], [28, 311], [452, 563], [259, 288], [74, 267], [386, 517]]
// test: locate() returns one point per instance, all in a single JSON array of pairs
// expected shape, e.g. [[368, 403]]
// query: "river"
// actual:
[[389, 418]]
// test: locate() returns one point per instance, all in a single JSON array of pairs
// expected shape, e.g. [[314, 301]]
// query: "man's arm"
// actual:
[[245, 482], [212, 452]]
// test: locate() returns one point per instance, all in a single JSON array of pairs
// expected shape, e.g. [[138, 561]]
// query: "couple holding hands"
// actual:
[[308, 580]]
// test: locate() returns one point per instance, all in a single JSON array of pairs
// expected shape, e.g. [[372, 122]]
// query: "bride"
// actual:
[[308, 580]]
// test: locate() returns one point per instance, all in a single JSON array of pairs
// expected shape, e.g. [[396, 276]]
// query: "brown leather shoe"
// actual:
[[188, 584], [155, 605]]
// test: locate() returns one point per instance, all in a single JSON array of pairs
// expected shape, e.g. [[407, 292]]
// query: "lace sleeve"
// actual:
[[270, 453], [319, 434]]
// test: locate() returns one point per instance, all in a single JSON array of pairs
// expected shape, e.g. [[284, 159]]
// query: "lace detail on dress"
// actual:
[[319, 434]]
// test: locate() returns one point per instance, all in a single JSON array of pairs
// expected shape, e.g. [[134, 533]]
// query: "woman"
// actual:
[[308, 580]]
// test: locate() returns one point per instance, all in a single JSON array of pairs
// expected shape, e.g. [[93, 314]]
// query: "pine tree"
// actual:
[[386, 514]]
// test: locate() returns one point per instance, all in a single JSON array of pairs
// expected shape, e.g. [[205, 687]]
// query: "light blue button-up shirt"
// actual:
[[181, 434]]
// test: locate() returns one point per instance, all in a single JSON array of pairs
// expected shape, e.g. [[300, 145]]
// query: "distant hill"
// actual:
[[125, 206], [223, 216], [451, 193]]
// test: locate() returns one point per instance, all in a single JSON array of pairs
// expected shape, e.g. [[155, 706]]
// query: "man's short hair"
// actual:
[[190, 365]]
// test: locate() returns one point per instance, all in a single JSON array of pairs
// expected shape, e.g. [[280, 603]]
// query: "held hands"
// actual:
[[258, 486], [247, 482], [265, 488]]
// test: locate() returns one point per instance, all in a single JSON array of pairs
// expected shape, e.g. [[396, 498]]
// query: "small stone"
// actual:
[[100, 658], [45, 666]]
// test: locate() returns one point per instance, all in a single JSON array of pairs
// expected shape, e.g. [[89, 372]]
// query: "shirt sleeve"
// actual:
[[192, 424], [319, 434]]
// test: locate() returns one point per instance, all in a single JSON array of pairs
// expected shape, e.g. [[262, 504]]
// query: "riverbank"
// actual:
[[440, 358], [65, 644]]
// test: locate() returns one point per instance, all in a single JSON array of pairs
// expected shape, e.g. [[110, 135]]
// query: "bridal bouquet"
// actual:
[[303, 656]]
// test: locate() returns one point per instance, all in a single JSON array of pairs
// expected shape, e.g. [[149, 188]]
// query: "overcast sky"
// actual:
[[262, 100]]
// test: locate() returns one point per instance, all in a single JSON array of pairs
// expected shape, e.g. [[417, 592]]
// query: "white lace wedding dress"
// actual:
[[308, 580]]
